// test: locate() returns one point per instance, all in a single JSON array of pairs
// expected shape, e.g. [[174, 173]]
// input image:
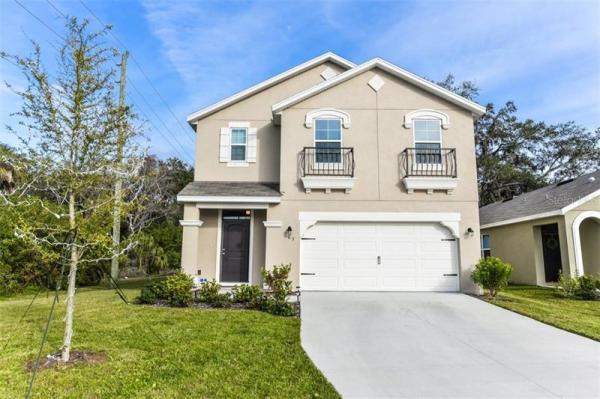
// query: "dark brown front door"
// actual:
[[551, 249], [235, 247]]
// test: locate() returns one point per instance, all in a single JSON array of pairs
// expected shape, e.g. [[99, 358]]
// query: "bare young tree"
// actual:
[[68, 129]]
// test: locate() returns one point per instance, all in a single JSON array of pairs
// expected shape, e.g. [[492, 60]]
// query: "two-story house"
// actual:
[[362, 177]]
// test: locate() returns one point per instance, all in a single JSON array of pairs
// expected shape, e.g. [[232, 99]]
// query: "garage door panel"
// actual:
[[321, 249], [361, 249], [358, 230], [412, 257], [396, 249]]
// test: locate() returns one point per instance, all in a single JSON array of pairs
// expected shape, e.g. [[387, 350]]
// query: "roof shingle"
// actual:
[[230, 189], [543, 200]]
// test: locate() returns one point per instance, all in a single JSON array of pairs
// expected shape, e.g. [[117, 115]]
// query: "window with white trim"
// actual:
[[486, 246], [239, 142], [428, 141], [328, 141]]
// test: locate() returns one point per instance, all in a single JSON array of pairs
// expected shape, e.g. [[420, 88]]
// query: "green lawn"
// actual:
[[580, 317], [206, 354]]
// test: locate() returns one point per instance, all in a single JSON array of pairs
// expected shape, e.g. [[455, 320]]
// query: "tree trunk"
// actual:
[[66, 349]]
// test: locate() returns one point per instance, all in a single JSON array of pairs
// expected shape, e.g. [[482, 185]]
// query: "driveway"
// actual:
[[432, 345]]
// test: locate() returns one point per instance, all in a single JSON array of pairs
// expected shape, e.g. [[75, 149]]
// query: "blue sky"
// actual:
[[544, 55]]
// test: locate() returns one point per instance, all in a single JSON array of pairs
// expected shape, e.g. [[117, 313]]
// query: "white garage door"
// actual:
[[379, 257]]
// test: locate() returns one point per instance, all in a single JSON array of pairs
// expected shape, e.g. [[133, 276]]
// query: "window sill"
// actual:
[[238, 164], [328, 183], [430, 184]]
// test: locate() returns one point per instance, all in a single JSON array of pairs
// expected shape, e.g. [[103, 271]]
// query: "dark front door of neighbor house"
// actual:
[[551, 248], [235, 247]]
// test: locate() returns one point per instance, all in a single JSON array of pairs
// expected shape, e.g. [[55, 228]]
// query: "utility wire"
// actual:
[[39, 19], [139, 67], [187, 158]]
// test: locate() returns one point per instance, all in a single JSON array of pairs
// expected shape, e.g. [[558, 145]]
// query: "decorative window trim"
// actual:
[[426, 114], [327, 113], [225, 144]]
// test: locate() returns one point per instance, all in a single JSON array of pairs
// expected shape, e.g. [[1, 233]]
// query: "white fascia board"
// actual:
[[329, 56], [558, 212], [522, 219], [472, 106], [580, 201], [231, 199]]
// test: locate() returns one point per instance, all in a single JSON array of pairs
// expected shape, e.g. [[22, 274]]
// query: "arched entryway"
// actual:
[[586, 236]]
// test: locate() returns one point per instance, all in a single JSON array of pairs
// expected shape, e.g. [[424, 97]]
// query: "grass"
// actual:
[[574, 315], [206, 353]]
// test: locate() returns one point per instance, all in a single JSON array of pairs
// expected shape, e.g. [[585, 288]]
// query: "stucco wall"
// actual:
[[590, 245], [257, 111], [520, 245]]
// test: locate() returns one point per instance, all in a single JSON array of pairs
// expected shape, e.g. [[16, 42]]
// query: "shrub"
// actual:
[[567, 286], [250, 295], [152, 292], [588, 287], [209, 293], [178, 289], [582, 287], [492, 274], [275, 300]]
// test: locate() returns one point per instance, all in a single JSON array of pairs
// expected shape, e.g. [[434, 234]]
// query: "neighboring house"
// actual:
[[362, 177], [546, 231]]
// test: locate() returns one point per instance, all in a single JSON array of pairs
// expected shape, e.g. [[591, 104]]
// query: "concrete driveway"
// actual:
[[433, 345]]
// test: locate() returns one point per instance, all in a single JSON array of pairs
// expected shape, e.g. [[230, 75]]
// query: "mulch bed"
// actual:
[[77, 357]]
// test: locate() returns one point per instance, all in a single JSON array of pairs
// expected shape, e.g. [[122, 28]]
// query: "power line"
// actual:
[[39, 20], [52, 30], [139, 67]]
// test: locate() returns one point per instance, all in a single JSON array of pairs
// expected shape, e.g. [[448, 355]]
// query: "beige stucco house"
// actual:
[[547, 231], [362, 177]]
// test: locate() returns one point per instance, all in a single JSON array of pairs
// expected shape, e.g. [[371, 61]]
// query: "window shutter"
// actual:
[[224, 145], [251, 144]]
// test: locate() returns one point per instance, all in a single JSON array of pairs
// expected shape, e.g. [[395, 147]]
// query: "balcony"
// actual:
[[429, 169], [327, 168]]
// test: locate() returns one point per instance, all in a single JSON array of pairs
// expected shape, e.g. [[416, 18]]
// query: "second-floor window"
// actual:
[[328, 140], [239, 142], [428, 141]]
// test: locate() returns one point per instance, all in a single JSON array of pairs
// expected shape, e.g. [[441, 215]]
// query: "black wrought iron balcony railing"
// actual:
[[319, 161], [437, 162]]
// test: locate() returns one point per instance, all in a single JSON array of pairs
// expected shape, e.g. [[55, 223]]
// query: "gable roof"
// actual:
[[556, 199], [329, 56], [392, 69]]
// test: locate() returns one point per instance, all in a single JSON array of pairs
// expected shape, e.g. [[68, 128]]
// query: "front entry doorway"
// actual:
[[551, 250], [235, 246]]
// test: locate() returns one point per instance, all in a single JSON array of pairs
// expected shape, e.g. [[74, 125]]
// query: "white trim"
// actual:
[[475, 108], [581, 201], [426, 114], [222, 205], [327, 113], [238, 164], [329, 56], [430, 183], [191, 223], [328, 183], [557, 212], [228, 199], [218, 261], [579, 266], [521, 219], [450, 220], [251, 251], [272, 223]]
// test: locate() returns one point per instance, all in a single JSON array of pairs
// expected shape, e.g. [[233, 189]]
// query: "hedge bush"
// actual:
[[275, 299], [492, 274], [582, 287], [251, 295], [178, 289]]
